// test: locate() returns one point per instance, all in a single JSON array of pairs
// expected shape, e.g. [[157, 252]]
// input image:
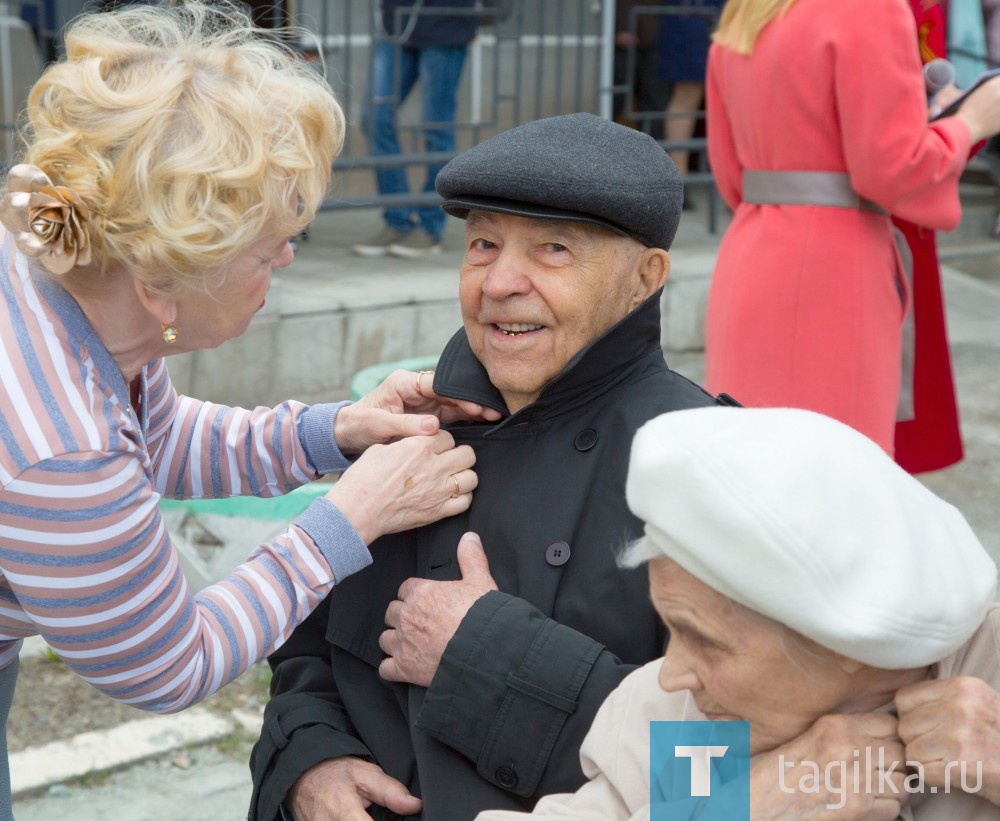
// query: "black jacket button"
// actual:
[[557, 553], [506, 778], [585, 439]]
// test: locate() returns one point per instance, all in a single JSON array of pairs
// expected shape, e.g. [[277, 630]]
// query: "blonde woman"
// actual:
[[817, 130], [168, 158]]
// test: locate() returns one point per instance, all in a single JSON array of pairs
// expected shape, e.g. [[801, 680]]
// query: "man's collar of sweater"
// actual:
[[460, 375]]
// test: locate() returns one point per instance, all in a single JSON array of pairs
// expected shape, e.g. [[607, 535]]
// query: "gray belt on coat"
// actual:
[[804, 188], [833, 189]]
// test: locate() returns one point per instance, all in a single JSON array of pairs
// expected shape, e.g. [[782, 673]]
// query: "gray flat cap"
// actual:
[[575, 167]]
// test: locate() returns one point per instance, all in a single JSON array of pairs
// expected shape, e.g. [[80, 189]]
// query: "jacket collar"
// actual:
[[460, 375]]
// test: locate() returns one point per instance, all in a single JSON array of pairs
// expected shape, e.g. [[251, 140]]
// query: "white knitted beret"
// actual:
[[803, 519]]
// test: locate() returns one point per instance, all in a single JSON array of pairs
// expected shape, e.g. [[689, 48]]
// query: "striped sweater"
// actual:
[[85, 558]]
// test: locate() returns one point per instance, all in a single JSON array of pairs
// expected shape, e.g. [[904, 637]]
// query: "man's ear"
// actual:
[[652, 270]]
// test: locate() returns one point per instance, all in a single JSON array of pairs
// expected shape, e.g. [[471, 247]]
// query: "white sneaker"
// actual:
[[378, 245], [417, 243]]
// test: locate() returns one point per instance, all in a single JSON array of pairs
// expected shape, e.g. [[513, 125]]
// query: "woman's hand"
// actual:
[[944, 98], [406, 484], [981, 110], [403, 405], [836, 769], [952, 727]]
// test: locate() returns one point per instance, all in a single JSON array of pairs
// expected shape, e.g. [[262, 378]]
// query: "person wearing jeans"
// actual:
[[416, 42]]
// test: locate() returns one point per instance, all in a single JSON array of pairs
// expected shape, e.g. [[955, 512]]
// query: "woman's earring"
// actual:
[[170, 333]]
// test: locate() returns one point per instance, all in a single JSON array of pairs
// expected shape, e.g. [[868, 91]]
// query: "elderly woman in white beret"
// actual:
[[817, 591]]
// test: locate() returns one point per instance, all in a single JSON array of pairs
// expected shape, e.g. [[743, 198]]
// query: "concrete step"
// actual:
[[143, 769], [980, 200], [982, 169], [978, 248], [976, 226], [37, 768]]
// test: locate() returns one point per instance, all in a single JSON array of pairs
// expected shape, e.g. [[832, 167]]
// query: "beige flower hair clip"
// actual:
[[49, 222]]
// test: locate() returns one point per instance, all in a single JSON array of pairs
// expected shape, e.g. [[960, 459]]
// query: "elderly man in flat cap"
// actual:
[[457, 675], [816, 590]]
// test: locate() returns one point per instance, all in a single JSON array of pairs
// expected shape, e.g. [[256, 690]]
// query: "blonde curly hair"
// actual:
[[189, 134]]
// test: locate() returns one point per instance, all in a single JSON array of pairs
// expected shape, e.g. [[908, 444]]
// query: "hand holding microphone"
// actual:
[[939, 80], [938, 74], [978, 105]]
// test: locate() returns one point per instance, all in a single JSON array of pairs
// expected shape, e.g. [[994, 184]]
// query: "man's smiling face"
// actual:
[[534, 292]]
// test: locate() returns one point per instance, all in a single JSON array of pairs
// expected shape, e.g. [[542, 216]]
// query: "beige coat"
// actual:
[[615, 753]]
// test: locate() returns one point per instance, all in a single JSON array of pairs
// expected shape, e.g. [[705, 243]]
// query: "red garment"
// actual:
[[803, 309], [932, 439], [930, 29]]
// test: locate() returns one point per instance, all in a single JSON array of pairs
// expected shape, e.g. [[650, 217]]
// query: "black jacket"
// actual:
[[520, 682], [423, 23]]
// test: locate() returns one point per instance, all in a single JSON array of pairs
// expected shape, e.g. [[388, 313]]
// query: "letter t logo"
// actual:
[[701, 761]]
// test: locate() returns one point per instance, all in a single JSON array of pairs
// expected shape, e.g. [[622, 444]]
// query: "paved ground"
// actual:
[[212, 783]]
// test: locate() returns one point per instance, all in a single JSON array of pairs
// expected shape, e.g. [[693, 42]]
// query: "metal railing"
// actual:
[[532, 60], [540, 60]]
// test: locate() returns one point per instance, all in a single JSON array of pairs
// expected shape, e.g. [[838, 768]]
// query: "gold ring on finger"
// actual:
[[458, 489], [419, 374]]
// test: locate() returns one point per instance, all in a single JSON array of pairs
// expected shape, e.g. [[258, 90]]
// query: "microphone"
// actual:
[[938, 74]]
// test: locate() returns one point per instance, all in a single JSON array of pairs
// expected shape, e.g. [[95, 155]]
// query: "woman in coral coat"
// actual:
[[807, 301]]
